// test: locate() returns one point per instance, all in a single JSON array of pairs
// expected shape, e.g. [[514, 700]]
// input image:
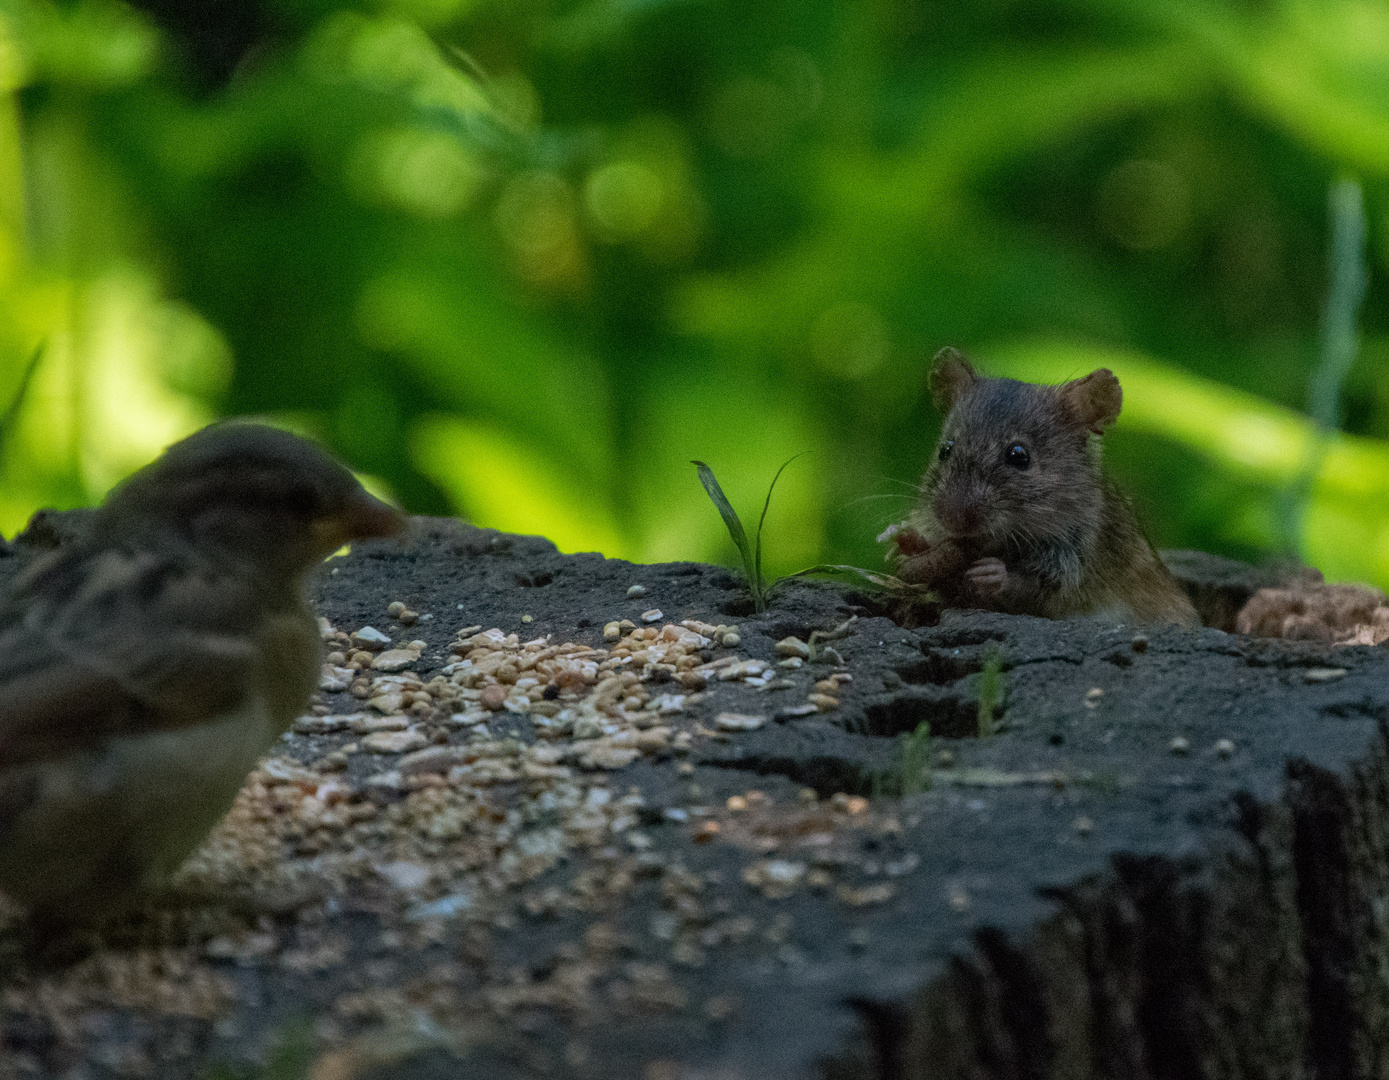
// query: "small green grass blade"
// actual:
[[735, 529], [12, 410], [757, 556], [883, 581]]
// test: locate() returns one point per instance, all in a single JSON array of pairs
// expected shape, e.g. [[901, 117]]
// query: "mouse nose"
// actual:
[[960, 510]]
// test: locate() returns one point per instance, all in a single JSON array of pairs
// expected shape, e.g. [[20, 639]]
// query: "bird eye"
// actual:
[[1017, 456], [945, 449]]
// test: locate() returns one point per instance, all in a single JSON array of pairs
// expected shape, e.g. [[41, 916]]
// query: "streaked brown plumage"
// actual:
[[148, 663]]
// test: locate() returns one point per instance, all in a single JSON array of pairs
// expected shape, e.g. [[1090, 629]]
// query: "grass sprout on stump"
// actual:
[[751, 553]]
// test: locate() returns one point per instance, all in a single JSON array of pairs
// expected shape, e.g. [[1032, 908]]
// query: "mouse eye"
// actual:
[[945, 449], [1017, 456]]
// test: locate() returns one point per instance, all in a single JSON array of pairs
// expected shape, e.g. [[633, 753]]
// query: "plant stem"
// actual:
[[1349, 278]]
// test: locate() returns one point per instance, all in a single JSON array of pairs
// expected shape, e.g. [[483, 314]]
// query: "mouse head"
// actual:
[[253, 491], [1014, 459]]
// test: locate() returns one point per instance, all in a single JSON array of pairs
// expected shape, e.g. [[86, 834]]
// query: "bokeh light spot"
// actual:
[[623, 199], [428, 173]]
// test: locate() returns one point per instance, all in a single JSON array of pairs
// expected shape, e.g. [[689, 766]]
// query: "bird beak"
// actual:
[[362, 518]]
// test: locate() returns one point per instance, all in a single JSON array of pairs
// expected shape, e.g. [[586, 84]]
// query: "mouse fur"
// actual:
[[1016, 513]]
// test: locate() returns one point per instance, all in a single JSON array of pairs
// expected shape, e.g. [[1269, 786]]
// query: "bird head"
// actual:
[[253, 491]]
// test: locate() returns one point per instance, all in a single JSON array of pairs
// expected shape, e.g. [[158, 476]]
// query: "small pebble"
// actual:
[[1139, 644], [685, 768], [1083, 825], [493, 696], [1180, 745], [612, 632], [1224, 747], [654, 615], [736, 804], [731, 641], [1092, 697], [636, 592], [823, 702], [408, 618], [945, 759], [808, 796], [394, 608], [729, 721]]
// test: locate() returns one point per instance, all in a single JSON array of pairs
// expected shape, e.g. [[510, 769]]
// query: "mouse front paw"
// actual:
[[987, 576]]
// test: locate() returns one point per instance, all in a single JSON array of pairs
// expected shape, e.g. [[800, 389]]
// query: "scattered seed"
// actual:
[[793, 647], [636, 592], [1180, 745], [1323, 674], [370, 639], [1224, 747], [1083, 825], [395, 659], [728, 721], [394, 608], [394, 742], [736, 804], [527, 618], [868, 894], [1092, 697]]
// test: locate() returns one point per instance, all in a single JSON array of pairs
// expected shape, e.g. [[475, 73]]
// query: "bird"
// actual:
[[149, 660]]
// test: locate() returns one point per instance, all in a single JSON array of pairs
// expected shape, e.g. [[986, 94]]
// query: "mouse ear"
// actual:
[[1095, 400], [951, 375]]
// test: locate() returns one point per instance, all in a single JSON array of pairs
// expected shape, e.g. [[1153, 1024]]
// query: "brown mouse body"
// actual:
[[1017, 514]]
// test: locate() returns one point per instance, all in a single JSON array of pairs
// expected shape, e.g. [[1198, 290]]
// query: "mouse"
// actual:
[[1016, 513]]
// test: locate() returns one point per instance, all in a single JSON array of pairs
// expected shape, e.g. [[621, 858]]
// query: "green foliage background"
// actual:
[[523, 260]]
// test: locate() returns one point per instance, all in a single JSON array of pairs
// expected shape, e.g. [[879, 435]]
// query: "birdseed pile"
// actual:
[[448, 791]]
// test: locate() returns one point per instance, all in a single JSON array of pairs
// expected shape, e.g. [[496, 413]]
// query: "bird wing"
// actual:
[[117, 644]]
